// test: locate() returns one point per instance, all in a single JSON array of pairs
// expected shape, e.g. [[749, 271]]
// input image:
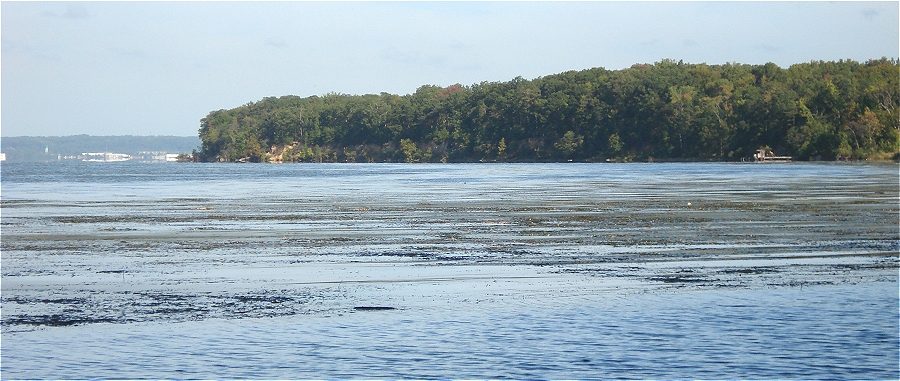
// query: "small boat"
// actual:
[[763, 155]]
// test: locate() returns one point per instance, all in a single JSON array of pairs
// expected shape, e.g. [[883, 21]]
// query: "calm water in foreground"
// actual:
[[129, 270]]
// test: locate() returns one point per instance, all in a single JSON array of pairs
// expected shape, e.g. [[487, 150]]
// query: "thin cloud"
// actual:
[[413, 58], [14, 48], [72, 12], [127, 52], [870, 13], [768, 48], [276, 43]]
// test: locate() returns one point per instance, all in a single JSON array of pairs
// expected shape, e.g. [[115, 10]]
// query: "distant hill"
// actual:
[[49, 148]]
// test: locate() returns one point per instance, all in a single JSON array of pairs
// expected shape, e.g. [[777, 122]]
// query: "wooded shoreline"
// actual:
[[667, 111]]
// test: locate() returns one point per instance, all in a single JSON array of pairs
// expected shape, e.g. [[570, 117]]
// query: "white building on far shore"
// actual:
[[148, 156], [105, 157]]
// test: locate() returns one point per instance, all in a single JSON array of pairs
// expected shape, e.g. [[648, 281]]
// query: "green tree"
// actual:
[[614, 144], [569, 144], [410, 151]]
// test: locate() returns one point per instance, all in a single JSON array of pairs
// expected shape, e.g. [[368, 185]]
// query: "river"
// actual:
[[673, 270]]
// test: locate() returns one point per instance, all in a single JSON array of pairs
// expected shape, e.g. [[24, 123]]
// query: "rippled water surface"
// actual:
[[127, 270]]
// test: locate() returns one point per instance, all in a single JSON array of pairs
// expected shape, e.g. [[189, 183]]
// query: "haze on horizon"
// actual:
[[127, 68]]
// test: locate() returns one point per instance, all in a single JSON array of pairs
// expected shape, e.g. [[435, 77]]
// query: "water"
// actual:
[[127, 270]]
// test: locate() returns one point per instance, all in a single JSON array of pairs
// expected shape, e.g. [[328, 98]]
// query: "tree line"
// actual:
[[669, 110]]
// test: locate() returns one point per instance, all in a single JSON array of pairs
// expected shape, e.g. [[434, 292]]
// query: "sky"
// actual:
[[157, 68]]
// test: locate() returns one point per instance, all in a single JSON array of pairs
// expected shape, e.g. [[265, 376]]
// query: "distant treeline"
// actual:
[[46, 148], [669, 110]]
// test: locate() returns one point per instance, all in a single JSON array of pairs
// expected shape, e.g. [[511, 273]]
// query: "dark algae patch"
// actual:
[[55, 320], [373, 308], [128, 307]]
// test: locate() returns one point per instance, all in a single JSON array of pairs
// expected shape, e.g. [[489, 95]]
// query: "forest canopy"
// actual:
[[669, 110]]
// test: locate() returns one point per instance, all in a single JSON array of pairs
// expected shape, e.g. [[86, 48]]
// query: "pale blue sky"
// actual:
[[117, 68]]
